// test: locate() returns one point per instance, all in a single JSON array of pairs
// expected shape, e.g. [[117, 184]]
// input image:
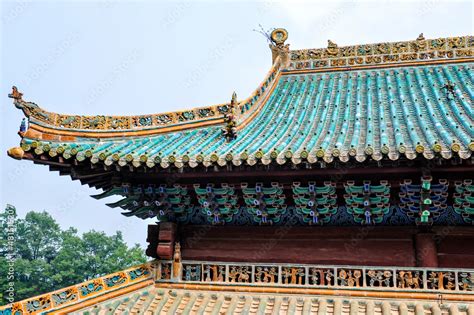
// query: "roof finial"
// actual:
[[229, 130], [279, 36], [420, 37], [16, 153], [15, 94], [332, 48], [279, 48]]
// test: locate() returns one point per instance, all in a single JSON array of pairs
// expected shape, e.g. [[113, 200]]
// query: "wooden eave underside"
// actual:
[[101, 176]]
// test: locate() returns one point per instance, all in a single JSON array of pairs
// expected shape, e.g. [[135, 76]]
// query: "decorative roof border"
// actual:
[[82, 292], [420, 49], [157, 123]]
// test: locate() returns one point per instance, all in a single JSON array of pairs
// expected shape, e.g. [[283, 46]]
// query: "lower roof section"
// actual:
[[91, 292], [383, 113], [154, 288], [162, 300]]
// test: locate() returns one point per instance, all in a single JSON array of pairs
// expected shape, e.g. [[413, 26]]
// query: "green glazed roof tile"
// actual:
[[356, 114]]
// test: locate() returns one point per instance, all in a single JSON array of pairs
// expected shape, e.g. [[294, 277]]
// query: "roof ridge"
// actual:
[[382, 53]]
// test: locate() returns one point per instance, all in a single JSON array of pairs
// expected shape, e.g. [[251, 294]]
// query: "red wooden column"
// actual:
[[161, 239], [166, 240], [426, 251]]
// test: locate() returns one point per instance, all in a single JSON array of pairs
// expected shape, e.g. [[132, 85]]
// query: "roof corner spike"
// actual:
[[277, 45], [15, 94]]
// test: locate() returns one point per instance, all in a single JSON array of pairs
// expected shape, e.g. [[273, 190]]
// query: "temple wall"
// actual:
[[368, 246]]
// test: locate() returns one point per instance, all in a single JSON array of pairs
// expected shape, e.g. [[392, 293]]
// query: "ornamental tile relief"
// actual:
[[419, 49], [67, 296], [345, 277]]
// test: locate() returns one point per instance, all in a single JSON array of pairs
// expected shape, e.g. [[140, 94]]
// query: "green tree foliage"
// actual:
[[47, 258]]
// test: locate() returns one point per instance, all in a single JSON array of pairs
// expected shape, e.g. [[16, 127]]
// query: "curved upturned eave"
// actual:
[[44, 125], [361, 114]]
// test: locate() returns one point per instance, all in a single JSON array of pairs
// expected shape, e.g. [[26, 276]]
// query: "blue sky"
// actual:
[[116, 57]]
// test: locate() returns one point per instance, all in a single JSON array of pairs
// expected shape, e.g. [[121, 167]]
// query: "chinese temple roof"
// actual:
[[374, 102]]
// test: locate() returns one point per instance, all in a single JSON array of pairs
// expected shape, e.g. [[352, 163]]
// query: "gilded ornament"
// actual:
[[363, 50], [279, 36], [347, 51], [142, 121], [409, 279], [205, 112], [320, 153], [118, 122], [400, 47], [455, 147], [391, 58], [382, 48], [15, 94], [314, 53], [26, 147], [456, 42], [177, 264], [332, 49], [93, 122], [465, 52], [16, 153], [185, 116], [338, 62], [66, 121], [437, 148]]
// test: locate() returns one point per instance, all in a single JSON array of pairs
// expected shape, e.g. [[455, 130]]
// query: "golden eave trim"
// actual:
[[127, 133], [101, 126], [102, 298], [379, 66], [261, 105]]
